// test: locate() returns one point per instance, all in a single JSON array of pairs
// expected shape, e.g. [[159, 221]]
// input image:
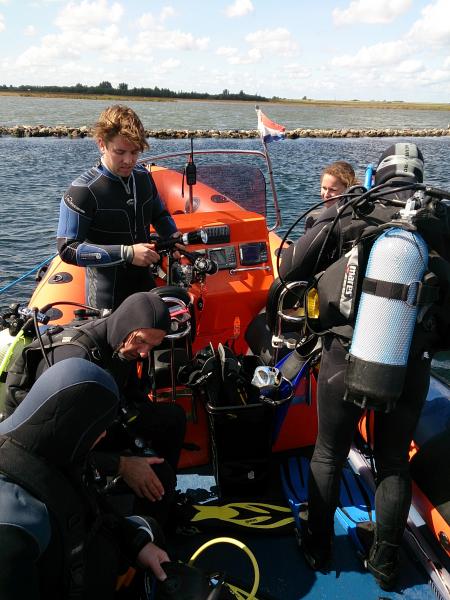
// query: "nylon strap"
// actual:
[[424, 294]]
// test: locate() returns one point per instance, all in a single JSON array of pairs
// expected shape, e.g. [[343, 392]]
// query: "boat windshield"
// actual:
[[234, 174], [244, 184]]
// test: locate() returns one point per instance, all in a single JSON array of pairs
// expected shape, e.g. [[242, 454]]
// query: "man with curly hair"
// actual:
[[105, 215]]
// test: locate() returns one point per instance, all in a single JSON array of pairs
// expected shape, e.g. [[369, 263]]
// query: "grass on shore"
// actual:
[[395, 104]]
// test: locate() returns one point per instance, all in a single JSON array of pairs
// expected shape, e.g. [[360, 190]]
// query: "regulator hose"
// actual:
[[241, 546]]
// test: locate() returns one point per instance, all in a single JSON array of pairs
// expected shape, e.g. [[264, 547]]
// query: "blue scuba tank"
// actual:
[[386, 319]]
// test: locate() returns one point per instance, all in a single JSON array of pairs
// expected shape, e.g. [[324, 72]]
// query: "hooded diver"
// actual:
[[115, 343]]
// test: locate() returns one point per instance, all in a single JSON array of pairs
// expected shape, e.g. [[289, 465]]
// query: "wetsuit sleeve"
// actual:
[[76, 212], [132, 533], [24, 535]]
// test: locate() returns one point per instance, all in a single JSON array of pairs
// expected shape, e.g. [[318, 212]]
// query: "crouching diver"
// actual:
[[143, 446], [59, 539], [331, 256]]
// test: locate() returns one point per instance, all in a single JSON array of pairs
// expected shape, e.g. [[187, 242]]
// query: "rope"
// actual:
[[6, 287]]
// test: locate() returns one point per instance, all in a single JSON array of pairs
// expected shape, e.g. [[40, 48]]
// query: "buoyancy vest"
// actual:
[[340, 285], [62, 565], [22, 373]]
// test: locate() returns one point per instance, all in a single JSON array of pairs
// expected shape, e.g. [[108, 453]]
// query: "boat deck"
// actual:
[[284, 574]]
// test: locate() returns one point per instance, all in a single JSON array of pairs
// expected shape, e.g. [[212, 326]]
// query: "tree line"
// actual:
[[106, 88]]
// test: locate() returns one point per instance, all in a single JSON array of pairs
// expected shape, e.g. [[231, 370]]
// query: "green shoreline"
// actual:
[[307, 103]]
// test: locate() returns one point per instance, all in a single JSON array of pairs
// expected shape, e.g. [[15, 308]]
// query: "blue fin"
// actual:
[[294, 478], [356, 502], [356, 505]]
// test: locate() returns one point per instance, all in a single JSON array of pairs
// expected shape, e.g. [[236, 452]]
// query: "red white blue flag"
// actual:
[[270, 131]]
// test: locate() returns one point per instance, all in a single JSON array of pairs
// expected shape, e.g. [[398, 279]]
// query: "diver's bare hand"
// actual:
[[176, 254], [138, 474], [151, 557], [144, 255]]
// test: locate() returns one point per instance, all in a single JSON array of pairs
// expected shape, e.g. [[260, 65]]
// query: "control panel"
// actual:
[[225, 257], [253, 253]]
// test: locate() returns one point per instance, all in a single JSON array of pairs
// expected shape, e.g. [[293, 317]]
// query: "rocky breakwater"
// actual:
[[81, 132]]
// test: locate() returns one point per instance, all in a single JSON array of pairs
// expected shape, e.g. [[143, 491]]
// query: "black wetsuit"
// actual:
[[101, 216], [59, 540], [338, 419]]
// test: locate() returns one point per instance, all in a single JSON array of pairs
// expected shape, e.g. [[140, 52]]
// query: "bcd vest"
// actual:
[[22, 373]]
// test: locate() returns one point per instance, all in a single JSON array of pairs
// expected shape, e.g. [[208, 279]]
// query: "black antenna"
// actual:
[[190, 172]]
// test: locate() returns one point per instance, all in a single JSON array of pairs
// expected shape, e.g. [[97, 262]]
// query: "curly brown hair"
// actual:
[[120, 120], [343, 171]]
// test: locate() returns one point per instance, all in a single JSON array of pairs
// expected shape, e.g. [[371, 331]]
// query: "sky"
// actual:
[[321, 49]]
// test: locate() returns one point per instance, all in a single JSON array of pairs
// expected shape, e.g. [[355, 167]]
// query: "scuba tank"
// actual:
[[386, 319], [18, 330]]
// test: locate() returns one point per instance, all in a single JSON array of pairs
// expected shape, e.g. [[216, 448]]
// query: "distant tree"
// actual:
[[123, 87], [226, 92], [105, 85]]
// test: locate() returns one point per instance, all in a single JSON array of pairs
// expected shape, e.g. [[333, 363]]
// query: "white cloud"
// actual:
[[154, 34], [36, 4], [147, 21], [276, 41], [150, 21], [170, 40], [29, 31], [254, 55], [85, 14], [296, 71], [166, 13], [47, 55], [166, 66], [387, 53], [2, 23], [106, 44], [226, 51], [434, 25], [239, 8], [367, 11], [409, 66]]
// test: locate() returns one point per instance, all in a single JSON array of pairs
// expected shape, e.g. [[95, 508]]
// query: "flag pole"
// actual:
[[278, 220]]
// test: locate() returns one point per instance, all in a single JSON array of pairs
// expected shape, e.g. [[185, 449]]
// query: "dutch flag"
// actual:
[[270, 131]]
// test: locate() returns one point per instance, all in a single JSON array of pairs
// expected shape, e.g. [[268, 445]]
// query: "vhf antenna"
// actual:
[[190, 172]]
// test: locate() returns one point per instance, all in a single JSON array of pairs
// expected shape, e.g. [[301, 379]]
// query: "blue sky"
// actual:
[[341, 49]]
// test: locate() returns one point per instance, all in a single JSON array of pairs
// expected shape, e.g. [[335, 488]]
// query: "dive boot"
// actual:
[[317, 549], [383, 563]]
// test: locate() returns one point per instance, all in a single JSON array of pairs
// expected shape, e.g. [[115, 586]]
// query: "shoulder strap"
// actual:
[[76, 337]]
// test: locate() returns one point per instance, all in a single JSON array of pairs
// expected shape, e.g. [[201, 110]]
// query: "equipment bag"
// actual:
[[240, 424]]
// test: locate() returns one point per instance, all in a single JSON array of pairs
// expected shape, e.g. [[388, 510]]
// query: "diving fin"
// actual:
[[294, 479], [356, 512], [255, 516]]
